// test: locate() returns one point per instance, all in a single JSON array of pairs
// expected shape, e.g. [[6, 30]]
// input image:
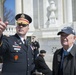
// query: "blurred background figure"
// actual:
[[40, 64], [35, 46]]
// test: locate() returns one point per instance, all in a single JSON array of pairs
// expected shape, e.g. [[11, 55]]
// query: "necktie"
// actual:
[[24, 42], [65, 53]]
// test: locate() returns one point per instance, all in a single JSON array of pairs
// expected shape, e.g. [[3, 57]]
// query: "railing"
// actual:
[[10, 30]]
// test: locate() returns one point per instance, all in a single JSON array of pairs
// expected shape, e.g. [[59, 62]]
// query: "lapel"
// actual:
[[18, 41], [71, 55], [66, 61], [59, 56]]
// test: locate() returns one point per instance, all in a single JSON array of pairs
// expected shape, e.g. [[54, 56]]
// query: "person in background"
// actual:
[[35, 46], [64, 60], [40, 64], [17, 54]]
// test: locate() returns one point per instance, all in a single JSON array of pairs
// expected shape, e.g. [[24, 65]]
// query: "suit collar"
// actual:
[[73, 51]]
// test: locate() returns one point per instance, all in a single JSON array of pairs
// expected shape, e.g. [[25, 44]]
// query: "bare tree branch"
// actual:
[[9, 15]]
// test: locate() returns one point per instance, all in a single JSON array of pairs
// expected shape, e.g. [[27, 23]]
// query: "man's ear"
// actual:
[[75, 37]]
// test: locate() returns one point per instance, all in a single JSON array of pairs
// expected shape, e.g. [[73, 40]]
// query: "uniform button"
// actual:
[[32, 58], [28, 58], [28, 71], [28, 64]]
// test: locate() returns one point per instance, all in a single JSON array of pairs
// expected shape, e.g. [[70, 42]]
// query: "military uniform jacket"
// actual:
[[41, 66], [69, 64], [17, 57]]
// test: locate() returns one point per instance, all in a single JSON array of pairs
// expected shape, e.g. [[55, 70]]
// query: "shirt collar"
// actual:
[[66, 52], [69, 49], [22, 39]]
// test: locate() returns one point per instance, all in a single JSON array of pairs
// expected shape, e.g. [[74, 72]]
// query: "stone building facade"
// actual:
[[49, 16]]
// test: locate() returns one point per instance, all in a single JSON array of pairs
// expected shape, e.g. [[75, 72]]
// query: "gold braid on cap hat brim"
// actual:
[[23, 21]]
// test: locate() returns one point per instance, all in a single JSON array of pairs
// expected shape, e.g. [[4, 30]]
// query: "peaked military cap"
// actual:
[[23, 18]]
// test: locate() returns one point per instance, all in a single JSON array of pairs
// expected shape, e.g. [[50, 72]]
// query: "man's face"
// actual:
[[67, 39], [22, 30], [43, 54]]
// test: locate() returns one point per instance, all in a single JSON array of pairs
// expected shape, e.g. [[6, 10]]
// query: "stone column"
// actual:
[[1, 9], [68, 11], [60, 10], [18, 6], [28, 9]]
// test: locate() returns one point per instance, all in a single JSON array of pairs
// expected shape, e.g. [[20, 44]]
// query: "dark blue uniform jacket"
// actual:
[[17, 57]]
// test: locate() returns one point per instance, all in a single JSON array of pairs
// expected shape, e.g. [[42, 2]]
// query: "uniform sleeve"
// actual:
[[1, 40], [3, 44]]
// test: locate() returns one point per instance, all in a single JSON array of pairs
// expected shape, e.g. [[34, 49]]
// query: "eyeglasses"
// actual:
[[23, 25]]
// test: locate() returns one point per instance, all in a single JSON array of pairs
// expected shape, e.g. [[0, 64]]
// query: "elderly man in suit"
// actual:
[[64, 61]]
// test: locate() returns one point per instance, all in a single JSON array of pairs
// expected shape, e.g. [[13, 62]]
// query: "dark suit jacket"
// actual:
[[69, 65], [17, 57], [41, 66]]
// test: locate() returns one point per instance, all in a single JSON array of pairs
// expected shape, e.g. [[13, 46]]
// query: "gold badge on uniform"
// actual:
[[16, 57], [22, 16]]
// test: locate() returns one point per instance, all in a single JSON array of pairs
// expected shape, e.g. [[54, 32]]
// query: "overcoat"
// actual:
[[41, 66], [17, 57], [69, 64]]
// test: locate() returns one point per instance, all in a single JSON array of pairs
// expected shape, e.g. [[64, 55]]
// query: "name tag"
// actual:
[[18, 49]]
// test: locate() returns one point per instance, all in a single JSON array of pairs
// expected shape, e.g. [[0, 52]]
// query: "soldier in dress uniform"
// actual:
[[17, 56]]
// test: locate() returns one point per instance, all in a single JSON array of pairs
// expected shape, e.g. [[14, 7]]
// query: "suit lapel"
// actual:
[[59, 56]]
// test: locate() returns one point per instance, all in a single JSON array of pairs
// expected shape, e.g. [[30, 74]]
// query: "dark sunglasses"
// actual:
[[23, 25]]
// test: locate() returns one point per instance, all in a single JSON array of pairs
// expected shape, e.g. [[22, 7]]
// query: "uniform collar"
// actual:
[[22, 39]]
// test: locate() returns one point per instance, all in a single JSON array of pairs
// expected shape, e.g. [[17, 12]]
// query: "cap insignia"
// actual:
[[22, 16]]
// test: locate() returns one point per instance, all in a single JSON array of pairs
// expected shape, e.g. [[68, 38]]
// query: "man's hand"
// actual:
[[2, 26]]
